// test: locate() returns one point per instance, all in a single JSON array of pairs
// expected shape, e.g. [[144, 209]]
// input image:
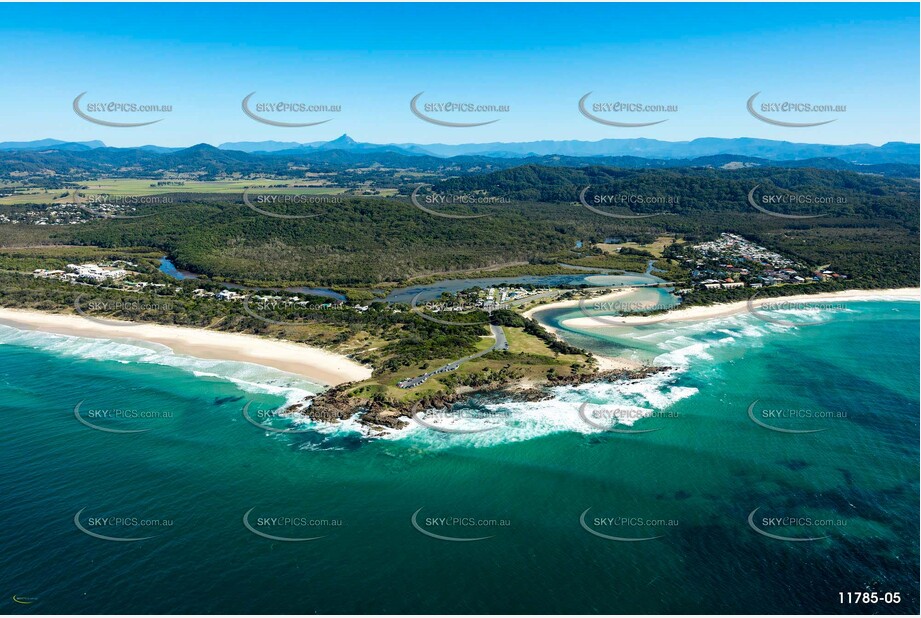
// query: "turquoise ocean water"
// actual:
[[556, 503]]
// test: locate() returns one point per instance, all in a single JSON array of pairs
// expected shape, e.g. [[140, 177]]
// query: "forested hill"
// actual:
[[687, 191], [67, 162]]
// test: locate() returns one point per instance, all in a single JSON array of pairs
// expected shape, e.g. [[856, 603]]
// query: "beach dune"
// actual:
[[315, 364]]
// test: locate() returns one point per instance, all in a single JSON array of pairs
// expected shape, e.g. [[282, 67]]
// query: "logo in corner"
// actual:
[[769, 304], [107, 123], [103, 537], [585, 203], [414, 108], [777, 537], [274, 123], [751, 415], [612, 123], [415, 522], [609, 537], [610, 427], [273, 414], [754, 204], [416, 415], [79, 204], [414, 198], [83, 421], [780, 123], [272, 537], [250, 205]]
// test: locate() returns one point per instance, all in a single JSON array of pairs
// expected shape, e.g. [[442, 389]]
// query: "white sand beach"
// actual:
[[698, 312], [315, 364], [605, 363], [705, 312], [563, 304]]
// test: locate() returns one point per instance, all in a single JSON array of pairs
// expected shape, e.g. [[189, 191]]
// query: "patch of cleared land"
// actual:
[[656, 247], [124, 187]]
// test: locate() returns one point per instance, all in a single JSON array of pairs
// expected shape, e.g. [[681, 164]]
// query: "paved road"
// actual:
[[501, 343]]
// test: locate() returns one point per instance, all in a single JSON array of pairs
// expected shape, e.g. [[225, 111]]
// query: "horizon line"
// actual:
[[471, 143]]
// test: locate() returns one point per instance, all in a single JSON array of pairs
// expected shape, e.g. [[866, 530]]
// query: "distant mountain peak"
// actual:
[[342, 140], [203, 147]]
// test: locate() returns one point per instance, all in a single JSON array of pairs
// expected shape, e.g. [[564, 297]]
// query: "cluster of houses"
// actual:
[[487, 300], [115, 273], [714, 284], [828, 275], [234, 296], [733, 245], [222, 295], [734, 262], [67, 213], [55, 214]]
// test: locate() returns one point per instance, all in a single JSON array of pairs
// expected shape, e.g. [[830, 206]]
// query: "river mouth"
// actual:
[[432, 290]]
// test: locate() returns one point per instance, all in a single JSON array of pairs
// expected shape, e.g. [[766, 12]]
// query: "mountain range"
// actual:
[[892, 152], [76, 161], [770, 150], [55, 144]]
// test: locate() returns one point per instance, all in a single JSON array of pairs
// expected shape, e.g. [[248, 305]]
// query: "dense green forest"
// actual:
[[55, 167], [871, 234], [869, 231], [690, 191], [364, 246]]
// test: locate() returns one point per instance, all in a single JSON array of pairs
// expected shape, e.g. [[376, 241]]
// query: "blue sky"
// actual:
[[538, 59]]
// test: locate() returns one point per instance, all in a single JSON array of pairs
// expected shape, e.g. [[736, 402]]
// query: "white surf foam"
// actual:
[[681, 346], [518, 421], [249, 377]]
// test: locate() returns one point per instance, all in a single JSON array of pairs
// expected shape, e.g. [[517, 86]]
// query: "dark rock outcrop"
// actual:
[[338, 404]]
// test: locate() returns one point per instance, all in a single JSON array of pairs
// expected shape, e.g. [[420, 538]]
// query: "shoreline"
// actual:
[[314, 364], [605, 363], [563, 304], [696, 313], [704, 312]]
